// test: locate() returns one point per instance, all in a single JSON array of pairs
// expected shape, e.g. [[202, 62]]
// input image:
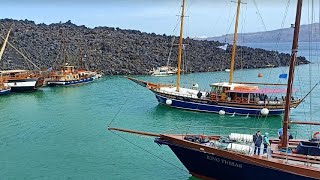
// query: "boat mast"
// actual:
[[180, 47], [4, 44], [234, 46], [291, 74]]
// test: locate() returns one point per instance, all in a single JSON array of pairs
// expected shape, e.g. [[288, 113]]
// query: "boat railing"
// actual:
[[175, 93], [226, 131]]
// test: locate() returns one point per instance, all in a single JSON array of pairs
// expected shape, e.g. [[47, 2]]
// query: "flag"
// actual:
[[50, 69], [284, 76]]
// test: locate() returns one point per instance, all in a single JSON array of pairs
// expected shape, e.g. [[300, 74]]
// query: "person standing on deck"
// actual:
[[266, 143], [280, 133], [257, 139]]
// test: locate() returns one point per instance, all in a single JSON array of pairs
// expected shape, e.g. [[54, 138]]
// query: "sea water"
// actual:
[[61, 133]]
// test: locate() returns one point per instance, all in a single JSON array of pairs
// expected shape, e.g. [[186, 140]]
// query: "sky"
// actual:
[[204, 18]]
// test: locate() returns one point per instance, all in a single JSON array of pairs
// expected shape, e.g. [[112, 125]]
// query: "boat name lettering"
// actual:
[[224, 161]]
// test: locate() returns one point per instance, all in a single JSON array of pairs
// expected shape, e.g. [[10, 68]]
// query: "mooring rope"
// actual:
[[122, 105], [158, 157]]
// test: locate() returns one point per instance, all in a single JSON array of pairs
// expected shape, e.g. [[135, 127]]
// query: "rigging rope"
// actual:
[[125, 139], [26, 58], [122, 105], [310, 13], [158, 157], [260, 16]]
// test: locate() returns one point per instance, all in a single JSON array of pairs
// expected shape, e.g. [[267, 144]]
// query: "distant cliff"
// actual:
[[117, 51], [279, 35]]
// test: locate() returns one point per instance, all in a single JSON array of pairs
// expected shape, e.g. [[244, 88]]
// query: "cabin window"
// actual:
[[213, 89]]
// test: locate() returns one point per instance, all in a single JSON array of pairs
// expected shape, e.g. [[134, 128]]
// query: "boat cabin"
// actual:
[[242, 93], [69, 69], [16, 74]]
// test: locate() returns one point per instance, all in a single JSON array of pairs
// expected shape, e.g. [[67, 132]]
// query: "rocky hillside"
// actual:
[[117, 51], [279, 35]]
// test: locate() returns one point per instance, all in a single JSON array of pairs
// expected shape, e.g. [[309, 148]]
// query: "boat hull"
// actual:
[[210, 166], [69, 83], [5, 92], [25, 85], [215, 108]]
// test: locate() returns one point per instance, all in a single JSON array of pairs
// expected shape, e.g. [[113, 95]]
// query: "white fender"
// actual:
[[168, 101]]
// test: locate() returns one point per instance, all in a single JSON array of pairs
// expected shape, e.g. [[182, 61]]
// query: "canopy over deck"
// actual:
[[262, 91], [13, 71]]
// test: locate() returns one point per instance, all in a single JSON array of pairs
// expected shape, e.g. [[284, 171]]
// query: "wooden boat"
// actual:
[[22, 80], [232, 157], [19, 80], [69, 75], [240, 98]]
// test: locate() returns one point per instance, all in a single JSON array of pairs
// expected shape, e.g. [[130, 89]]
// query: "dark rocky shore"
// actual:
[[117, 51]]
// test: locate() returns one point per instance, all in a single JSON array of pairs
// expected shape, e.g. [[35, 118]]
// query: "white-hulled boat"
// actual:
[[164, 71], [22, 80]]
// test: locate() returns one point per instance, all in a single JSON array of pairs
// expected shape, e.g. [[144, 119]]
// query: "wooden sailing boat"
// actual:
[[225, 97], [19, 80], [228, 158], [69, 75]]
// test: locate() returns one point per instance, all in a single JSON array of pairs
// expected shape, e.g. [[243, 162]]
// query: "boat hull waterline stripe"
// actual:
[[215, 108]]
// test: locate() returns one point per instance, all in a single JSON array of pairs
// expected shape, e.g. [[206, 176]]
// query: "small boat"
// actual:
[[22, 80], [164, 71], [270, 65], [4, 90], [236, 156], [70, 75]]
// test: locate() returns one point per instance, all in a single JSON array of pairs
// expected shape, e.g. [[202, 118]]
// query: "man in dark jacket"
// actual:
[[257, 139]]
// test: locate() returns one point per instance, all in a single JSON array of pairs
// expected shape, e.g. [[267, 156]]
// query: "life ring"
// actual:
[[201, 137], [316, 134]]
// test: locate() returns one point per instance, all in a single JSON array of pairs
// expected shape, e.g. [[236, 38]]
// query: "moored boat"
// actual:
[[69, 75], [164, 71], [22, 80], [238, 98], [237, 156], [4, 90]]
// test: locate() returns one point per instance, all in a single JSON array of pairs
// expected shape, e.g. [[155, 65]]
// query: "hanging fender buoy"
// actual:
[[264, 111], [168, 101], [222, 112]]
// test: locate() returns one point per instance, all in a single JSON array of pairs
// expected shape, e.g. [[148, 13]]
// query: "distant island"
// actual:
[[117, 51], [279, 35]]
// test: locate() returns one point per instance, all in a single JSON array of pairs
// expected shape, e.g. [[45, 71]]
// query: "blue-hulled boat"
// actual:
[[5, 91], [237, 156], [242, 98], [69, 76]]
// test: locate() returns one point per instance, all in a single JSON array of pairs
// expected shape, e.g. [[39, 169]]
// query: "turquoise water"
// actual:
[[60, 133]]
